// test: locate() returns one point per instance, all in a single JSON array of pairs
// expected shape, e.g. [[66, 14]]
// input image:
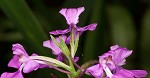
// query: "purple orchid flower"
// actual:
[[115, 57], [111, 63], [72, 16], [55, 49], [21, 60]]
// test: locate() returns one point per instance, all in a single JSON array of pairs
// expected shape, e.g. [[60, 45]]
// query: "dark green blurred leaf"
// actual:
[[6, 24], [145, 41], [13, 36], [19, 12], [121, 26], [46, 15], [146, 1], [122, 29], [92, 42]]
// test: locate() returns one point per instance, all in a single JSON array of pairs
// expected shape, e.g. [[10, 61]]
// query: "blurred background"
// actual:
[[122, 22]]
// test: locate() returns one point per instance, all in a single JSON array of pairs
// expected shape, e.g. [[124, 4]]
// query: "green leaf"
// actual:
[[64, 48], [72, 43], [54, 40], [19, 12], [145, 41], [12, 36], [76, 44], [121, 26]]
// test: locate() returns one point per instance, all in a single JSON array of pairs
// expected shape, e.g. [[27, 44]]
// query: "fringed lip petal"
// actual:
[[71, 14]]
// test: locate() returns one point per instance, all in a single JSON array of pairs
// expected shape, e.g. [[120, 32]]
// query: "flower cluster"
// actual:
[[108, 66]]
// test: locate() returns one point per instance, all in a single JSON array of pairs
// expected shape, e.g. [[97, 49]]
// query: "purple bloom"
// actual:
[[111, 63], [72, 16], [21, 60], [115, 57], [55, 49]]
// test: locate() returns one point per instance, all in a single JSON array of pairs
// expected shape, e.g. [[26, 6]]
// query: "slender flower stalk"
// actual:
[[51, 60]]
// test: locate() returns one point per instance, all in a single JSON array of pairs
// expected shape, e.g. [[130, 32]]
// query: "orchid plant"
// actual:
[[65, 47]]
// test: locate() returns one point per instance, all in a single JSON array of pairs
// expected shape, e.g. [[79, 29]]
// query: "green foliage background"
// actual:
[[122, 22]]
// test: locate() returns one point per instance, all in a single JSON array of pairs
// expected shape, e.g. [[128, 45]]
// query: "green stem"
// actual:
[[72, 44], [73, 71], [72, 54], [68, 76]]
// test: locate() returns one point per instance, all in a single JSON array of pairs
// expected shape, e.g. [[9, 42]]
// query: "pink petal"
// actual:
[[90, 27], [114, 47], [76, 59], [72, 14], [14, 62], [95, 71], [120, 55], [30, 66], [139, 73], [57, 32], [19, 50], [123, 73], [17, 74]]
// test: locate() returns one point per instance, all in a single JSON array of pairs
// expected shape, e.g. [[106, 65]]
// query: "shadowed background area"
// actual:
[[122, 22]]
